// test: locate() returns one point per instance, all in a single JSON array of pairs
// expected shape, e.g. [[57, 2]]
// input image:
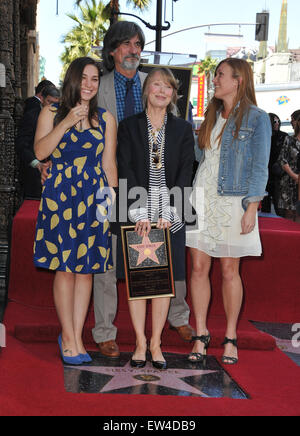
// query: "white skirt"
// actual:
[[218, 229]]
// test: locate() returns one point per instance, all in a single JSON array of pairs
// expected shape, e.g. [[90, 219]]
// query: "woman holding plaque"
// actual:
[[156, 152], [235, 138]]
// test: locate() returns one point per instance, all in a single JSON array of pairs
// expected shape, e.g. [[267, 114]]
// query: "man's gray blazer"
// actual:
[[107, 94]]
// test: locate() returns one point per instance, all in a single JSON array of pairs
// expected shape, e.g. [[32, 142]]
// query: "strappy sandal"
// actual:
[[199, 357], [226, 359]]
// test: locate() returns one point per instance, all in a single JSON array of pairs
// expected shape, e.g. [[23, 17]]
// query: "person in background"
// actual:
[[156, 152], [121, 93], [295, 115], [275, 170], [235, 138], [72, 233], [288, 159], [298, 202], [122, 47], [36, 99], [30, 167], [50, 95]]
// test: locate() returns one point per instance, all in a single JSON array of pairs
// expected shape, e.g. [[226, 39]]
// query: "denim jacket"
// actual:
[[243, 168]]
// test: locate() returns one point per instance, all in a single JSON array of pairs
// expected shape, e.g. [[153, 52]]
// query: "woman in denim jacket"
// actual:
[[235, 139]]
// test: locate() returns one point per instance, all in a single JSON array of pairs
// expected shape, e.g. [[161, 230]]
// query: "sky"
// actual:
[[187, 13]]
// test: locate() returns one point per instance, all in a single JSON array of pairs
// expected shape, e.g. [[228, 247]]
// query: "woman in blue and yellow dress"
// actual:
[[72, 234]]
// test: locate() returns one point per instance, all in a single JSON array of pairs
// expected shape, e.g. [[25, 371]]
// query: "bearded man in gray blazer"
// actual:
[[122, 47]]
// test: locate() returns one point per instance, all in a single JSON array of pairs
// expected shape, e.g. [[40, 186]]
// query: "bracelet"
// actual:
[[34, 163]]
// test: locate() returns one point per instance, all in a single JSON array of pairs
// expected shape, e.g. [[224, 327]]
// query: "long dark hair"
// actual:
[[296, 117], [274, 117], [71, 90]]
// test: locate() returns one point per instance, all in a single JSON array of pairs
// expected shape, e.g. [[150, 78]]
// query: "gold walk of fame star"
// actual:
[[146, 250]]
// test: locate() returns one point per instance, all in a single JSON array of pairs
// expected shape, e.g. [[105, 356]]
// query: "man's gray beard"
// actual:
[[129, 65]]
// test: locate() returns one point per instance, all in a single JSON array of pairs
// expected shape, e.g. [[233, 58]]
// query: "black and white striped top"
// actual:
[[158, 202]]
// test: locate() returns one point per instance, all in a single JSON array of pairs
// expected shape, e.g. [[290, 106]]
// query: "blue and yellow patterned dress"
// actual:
[[72, 232]]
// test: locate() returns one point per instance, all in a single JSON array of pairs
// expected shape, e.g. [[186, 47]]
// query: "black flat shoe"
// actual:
[[227, 360], [137, 363], [159, 364]]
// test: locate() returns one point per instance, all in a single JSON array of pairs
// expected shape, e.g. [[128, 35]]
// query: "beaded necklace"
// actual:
[[156, 139]]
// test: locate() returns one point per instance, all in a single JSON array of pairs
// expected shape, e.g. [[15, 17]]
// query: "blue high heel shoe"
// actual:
[[69, 360], [86, 358]]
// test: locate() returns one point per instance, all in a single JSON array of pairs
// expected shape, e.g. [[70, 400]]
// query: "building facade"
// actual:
[[18, 60]]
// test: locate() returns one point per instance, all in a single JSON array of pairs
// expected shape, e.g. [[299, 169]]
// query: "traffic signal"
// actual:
[[262, 26]]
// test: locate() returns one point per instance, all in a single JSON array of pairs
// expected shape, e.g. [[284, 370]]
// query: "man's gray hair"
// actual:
[[116, 34]]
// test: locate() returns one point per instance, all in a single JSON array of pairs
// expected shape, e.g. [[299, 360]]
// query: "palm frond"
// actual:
[[139, 4]]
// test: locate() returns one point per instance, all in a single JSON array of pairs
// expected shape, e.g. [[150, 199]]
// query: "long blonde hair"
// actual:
[[245, 97]]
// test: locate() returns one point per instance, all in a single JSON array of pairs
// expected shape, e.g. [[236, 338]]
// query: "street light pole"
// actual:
[[203, 25], [158, 25]]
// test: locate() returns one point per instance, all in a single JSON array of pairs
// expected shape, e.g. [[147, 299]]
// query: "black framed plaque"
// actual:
[[147, 263]]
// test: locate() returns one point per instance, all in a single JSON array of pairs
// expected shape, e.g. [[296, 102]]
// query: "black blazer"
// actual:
[[30, 177], [32, 103], [133, 152], [134, 164]]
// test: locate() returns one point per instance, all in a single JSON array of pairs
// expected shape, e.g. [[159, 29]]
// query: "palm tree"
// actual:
[[208, 67], [140, 4], [89, 31], [91, 27], [114, 5]]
